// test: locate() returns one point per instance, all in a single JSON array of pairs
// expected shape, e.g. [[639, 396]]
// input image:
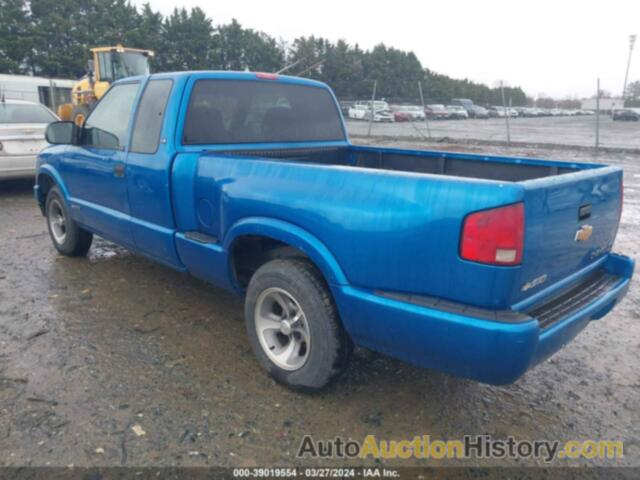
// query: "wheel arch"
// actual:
[[46, 179], [287, 235]]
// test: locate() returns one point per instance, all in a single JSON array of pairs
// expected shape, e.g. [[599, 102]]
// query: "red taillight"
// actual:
[[494, 236], [267, 76]]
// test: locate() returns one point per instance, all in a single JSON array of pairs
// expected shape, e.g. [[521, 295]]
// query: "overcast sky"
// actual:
[[555, 48]]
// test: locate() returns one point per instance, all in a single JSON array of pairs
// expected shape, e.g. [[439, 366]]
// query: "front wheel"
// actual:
[[67, 236], [293, 325]]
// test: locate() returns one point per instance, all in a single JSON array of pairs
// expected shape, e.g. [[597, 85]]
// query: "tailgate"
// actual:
[[571, 221]]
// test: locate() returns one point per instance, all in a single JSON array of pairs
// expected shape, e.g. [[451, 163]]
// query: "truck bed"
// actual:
[[396, 231], [506, 169]]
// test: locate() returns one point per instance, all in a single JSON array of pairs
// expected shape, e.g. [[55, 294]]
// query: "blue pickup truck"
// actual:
[[479, 266]]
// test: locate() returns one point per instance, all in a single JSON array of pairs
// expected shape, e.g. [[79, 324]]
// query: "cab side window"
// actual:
[[107, 125], [149, 117]]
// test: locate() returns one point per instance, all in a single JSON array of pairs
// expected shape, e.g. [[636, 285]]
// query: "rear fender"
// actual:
[[291, 235]]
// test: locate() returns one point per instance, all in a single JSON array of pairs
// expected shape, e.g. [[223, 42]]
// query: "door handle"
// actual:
[[118, 170]]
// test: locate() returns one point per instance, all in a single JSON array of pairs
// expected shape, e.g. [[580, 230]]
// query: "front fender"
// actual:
[[291, 235], [48, 170]]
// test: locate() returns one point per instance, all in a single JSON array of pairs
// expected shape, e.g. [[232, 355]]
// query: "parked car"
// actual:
[[527, 112], [400, 115], [466, 104], [22, 126], [457, 112], [380, 116], [358, 111], [478, 112], [437, 112], [497, 111], [403, 113], [345, 106], [474, 265], [626, 115]]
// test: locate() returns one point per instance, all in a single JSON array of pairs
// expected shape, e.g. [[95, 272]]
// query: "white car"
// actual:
[[22, 126], [385, 116], [358, 111]]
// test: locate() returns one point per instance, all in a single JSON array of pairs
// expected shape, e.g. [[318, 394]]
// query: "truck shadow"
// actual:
[[16, 186]]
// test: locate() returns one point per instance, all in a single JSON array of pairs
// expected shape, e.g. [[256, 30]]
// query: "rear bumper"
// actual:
[[488, 346]]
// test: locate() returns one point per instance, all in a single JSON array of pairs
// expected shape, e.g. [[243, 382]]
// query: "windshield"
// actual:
[[24, 113], [241, 111], [129, 64], [116, 65]]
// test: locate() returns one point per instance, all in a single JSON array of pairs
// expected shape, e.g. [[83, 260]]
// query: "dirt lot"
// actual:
[[94, 350], [577, 130]]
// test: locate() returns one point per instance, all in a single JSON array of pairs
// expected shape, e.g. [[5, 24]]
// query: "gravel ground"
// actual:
[[575, 131], [114, 360]]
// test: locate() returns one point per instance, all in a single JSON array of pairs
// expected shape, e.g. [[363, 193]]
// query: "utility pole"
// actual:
[[598, 115], [507, 113], [373, 111], [632, 42], [426, 120]]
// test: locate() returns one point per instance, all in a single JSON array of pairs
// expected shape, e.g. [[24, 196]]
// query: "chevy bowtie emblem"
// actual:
[[584, 233]]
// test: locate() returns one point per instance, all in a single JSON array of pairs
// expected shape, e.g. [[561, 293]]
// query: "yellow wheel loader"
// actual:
[[107, 65]]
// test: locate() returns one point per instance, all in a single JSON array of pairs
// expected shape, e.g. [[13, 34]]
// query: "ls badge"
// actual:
[[584, 233]]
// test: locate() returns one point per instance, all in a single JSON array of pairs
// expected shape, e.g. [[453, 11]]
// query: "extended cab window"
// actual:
[[108, 123], [243, 111], [146, 132]]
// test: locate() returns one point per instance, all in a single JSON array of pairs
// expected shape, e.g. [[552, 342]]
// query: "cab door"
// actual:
[[94, 171], [149, 172]]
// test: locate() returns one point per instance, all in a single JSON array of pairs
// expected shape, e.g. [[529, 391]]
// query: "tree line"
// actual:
[[52, 38]]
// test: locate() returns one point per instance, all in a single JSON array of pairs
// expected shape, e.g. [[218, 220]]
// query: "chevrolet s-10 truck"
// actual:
[[475, 265]]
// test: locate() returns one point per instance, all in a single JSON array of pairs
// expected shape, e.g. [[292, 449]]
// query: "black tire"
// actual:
[[70, 239], [80, 114], [330, 346]]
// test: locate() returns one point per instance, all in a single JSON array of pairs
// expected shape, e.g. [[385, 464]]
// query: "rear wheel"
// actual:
[[67, 237], [293, 325]]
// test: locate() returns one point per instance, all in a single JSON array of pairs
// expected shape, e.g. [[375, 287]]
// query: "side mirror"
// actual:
[[61, 133]]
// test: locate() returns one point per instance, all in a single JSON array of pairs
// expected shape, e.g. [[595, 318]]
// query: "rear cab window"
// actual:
[[247, 111]]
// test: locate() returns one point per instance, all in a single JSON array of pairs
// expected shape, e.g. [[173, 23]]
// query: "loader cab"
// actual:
[[114, 63], [106, 65], [117, 63]]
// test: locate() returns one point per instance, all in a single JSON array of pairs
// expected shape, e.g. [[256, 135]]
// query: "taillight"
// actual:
[[494, 236]]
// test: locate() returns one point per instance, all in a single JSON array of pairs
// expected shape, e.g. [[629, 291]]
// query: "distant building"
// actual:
[[606, 104], [48, 91]]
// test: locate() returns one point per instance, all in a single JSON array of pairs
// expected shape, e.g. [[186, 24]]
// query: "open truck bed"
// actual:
[[508, 169]]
